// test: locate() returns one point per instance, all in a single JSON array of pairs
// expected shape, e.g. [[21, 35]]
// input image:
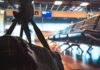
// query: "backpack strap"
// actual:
[[24, 27], [10, 30], [40, 35], [15, 21]]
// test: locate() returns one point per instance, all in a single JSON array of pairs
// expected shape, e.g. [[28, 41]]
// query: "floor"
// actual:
[[73, 61], [69, 64]]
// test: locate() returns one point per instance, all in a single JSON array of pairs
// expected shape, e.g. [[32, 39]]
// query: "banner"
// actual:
[[69, 14], [63, 14], [9, 12]]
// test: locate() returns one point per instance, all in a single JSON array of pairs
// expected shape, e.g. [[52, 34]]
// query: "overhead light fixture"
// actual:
[[1, 0], [1, 11], [32, 2], [57, 2], [84, 4], [16, 5]]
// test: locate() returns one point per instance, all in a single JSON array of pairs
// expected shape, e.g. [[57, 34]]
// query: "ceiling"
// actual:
[[48, 5]]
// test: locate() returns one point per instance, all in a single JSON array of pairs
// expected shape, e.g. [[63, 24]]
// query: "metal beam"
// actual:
[[72, 8], [80, 9], [40, 7], [58, 7], [34, 6], [52, 7], [64, 8], [46, 7], [76, 9]]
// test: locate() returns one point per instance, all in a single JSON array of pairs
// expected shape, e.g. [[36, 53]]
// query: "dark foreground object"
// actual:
[[16, 54]]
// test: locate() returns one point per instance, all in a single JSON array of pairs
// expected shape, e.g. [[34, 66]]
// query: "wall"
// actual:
[[1, 22]]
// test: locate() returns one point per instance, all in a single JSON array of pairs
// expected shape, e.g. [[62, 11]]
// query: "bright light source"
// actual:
[[16, 5], [58, 2], [32, 2], [1, 0], [84, 4], [1, 11]]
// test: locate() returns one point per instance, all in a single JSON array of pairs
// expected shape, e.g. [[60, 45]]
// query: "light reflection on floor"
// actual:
[[93, 55]]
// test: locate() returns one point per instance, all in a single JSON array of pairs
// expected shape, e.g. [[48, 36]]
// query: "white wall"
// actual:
[[1, 22], [51, 26], [43, 27]]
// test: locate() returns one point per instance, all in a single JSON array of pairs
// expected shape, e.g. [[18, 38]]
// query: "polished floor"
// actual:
[[70, 64], [75, 60]]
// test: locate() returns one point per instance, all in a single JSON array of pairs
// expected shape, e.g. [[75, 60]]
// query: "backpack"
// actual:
[[16, 54]]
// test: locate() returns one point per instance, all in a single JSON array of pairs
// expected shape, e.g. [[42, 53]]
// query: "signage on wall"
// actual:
[[37, 13], [67, 14], [9, 12], [46, 13]]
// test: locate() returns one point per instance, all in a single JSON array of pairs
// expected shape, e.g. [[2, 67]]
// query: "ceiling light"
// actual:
[[2, 11], [84, 4], [16, 5], [32, 2], [58, 2], [1, 0]]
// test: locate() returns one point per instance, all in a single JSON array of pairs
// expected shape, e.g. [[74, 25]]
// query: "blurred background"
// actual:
[[55, 17]]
